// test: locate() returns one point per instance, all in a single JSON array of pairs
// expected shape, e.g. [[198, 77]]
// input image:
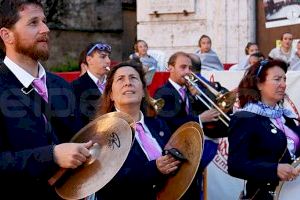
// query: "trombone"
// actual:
[[224, 102]]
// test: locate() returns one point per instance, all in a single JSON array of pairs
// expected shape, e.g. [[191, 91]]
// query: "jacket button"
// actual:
[[161, 133]]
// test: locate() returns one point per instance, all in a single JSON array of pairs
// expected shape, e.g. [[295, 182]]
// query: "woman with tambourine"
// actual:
[[263, 136]]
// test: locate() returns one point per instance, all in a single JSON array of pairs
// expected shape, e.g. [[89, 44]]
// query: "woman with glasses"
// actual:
[[145, 167], [263, 136]]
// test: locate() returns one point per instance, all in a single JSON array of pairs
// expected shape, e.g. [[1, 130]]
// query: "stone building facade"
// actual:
[[176, 25]]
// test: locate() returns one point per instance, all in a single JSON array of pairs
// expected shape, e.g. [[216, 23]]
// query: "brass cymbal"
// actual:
[[112, 137], [195, 125], [187, 139], [121, 115]]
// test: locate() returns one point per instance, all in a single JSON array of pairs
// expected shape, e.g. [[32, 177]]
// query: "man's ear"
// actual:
[[170, 68], [6, 35], [88, 60]]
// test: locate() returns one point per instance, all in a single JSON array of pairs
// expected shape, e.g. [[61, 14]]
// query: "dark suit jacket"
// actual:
[[26, 140], [87, 97], [138, 178], [175, 115], [254, 151]]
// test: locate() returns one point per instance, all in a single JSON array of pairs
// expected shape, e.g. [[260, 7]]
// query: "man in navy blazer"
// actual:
[[89, 87], [37, 109], [179, 109]]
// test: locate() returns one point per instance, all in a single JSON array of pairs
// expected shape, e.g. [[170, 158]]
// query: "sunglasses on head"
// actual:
[[261, 65], [101, 47]]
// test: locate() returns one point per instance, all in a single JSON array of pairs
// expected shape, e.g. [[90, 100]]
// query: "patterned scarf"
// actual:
[[265, 110]]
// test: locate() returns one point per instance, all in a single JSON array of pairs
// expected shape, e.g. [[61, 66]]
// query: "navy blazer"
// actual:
[[87, 97], [173, 112], [26, 140], [255, 150], [138, 178]]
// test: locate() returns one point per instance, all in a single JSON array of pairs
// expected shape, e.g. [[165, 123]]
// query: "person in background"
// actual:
[[181, 107], [37, 108], [284, 52], [263, 136], [209, 59], [250, 49], [141, 48], [82, 64], [145, 168], [295, 59], [89, 87], [253, 59]]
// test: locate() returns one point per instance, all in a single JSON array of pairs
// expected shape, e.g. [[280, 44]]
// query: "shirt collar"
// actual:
[[142, 119], [23, 76], [176, 85], [94, 78]]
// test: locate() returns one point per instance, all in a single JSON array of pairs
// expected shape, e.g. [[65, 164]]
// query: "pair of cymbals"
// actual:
[[188, 139], [112, 135]]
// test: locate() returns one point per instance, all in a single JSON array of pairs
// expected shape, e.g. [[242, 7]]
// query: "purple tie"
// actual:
[[152, 152], [288, 132], [101, 86], [183, 96], [41, 88]]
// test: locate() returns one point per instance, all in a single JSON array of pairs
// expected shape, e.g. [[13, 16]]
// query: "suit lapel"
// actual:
[[89, 83], [177, 95], [156, 131], [26, 96]]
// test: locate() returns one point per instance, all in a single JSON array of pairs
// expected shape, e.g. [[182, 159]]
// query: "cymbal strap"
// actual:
[[57, 176]]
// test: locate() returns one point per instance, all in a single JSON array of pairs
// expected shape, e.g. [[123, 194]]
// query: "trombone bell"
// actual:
[[157, 104]]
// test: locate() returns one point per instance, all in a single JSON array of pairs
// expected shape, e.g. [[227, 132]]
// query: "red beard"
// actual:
[[36, 51]]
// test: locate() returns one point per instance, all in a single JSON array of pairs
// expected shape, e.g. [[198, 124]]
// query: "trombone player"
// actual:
[[181, 107]]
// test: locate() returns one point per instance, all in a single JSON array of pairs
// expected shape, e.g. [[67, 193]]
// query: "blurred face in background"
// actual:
[[205, 45], [253, 49], [286, 41], [253, 60], [142, 48]]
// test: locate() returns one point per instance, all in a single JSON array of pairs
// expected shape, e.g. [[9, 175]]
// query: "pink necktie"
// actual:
[[41, 88], [152, 152], [288, 132], [100, 86], [183, 96]]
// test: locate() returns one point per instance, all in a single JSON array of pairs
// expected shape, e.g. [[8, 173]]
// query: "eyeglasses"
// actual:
[[101, 47], [262, 64]]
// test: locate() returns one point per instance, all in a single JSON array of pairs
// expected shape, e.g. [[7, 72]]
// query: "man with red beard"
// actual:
[[37, 109]]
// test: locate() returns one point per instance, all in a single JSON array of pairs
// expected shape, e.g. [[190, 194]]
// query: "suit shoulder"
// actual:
[[78, 81], [165, 90], [58, 80], [244, 114]]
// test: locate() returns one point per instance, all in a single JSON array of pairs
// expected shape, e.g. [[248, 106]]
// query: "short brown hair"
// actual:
[[172, 59]]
